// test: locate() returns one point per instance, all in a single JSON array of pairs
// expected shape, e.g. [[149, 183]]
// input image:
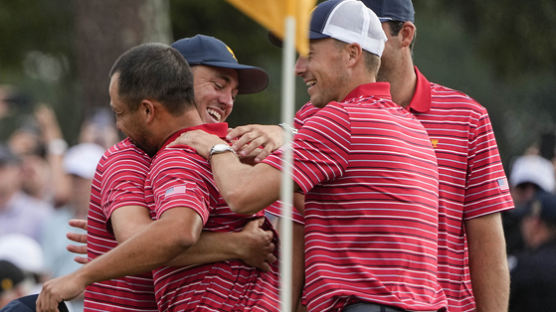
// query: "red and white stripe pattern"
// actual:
[[301, 115], [223, 286], [118, 182], [370, 177], [470, 171]]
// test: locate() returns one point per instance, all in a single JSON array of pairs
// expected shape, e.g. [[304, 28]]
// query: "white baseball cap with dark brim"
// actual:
[[349, 21], [533, 169]]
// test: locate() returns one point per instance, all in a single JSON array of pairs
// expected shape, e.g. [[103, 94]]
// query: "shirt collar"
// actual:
[[220, 129], [378, 89], [421, 101]]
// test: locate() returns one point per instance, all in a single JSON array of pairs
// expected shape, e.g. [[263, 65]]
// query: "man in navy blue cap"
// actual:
[[473, 187], [215, 68], [217, 78]]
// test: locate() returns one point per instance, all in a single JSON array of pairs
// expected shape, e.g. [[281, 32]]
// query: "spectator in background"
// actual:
[[27, 255], [19, 212], [80, 163], [11, 282], [533, 271], [40, 145], [99, 129], [25, 142], [530, 176]]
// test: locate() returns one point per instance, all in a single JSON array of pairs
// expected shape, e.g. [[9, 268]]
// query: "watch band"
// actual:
[[219, 149]]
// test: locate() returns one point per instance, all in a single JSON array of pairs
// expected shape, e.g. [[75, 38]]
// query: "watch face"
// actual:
[[220, 148]]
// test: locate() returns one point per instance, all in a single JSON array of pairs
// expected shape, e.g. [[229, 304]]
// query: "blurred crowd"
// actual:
[[44, 182], [530, 229]]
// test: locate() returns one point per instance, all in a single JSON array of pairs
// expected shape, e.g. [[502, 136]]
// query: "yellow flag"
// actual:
[[272, 13]]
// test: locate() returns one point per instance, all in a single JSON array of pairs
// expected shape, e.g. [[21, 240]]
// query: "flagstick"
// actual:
[[288, 92]]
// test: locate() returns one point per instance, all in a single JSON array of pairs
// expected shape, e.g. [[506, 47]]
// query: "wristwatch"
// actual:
[[219, 149]]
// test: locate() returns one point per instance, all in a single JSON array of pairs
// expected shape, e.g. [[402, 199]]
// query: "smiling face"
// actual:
[[323, 72], [215, 91]]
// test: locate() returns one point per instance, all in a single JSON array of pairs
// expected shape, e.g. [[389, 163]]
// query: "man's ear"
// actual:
[[148, 110], [354, 53], [408, 33]]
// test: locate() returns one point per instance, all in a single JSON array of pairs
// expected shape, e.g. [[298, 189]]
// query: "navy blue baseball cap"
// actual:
[[319, 17], [209, 51], [392, 10]]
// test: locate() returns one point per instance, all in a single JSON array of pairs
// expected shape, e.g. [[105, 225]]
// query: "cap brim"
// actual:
[[313, 35], [252, 79]]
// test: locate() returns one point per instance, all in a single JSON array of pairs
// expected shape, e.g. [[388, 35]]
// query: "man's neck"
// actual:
[[403, 81], [189, 119], [360, 77]]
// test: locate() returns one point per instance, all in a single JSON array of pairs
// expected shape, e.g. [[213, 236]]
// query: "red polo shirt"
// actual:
[[118, 182], [179, 177], [370, 178], [471, 176]]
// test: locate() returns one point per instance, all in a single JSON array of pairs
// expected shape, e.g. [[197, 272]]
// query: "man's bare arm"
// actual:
[[246, 189], [145, 251], [252, 245], [488, 263]]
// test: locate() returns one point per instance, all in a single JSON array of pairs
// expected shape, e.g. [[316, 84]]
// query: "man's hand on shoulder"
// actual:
[[256, 141], [200, 140]]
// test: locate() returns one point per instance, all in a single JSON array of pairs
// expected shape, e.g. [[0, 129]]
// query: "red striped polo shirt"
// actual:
[[119, 180], [301, 115], [370, 177], [472, 181], [179, 177]]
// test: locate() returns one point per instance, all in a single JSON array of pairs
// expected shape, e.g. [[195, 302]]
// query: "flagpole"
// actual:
[[286, 196]]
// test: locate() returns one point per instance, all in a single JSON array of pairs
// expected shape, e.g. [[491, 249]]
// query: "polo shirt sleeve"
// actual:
[[177, 182], [321, 148], [123, 180], [275, 209], [303, 114], [487, 189]]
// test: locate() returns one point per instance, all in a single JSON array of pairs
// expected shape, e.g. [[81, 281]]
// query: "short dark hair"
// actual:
[[155, 71]]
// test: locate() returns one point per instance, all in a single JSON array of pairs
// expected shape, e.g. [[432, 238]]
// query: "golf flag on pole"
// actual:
[[289, 20], [272, 13]]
